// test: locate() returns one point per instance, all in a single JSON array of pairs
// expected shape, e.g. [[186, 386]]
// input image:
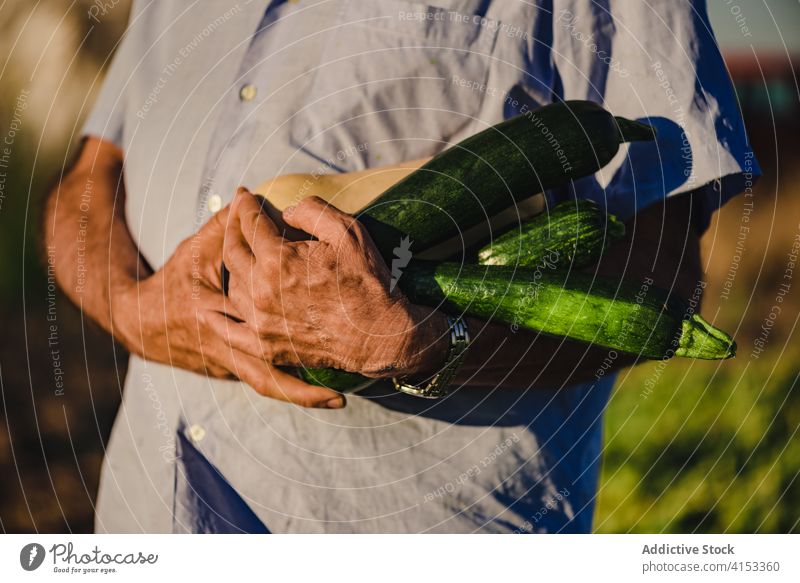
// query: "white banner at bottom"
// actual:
[[406, 558]]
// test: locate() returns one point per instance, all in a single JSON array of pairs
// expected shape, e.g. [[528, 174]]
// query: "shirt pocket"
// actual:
[[395, 83]]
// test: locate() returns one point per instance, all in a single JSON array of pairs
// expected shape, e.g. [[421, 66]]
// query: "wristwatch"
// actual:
[[438, 386]]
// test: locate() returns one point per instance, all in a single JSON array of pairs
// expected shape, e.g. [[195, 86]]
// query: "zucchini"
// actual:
[[334, 378], [603, 312], [619, 316], [486, 173], [573, 234], [466, 184]]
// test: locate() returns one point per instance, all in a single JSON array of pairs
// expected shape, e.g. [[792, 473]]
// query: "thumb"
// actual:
[[217, 223], [210, 241]]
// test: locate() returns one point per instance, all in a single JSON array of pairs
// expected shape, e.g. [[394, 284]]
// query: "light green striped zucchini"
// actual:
[[615, 315], [573, 234]]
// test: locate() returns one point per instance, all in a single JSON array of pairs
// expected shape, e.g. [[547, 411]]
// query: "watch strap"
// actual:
[[439, 384]]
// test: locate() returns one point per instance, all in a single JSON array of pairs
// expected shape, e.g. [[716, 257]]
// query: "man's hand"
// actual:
[[324, 302], [178, 316], [175, 315]]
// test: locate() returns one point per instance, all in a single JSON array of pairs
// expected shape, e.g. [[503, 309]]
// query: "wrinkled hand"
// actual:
[[323, 302], [177, 316]]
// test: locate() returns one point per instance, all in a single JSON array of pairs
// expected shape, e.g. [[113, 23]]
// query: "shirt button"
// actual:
[[247, 92], [197, 433], [214, 203]]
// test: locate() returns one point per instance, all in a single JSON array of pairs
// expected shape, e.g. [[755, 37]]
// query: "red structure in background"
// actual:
[[769, 95]]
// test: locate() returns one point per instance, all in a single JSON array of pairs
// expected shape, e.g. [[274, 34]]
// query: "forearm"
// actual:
[[86, 234]]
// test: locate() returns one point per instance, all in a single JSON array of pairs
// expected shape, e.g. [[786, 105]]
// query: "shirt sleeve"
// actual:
[[656, 62], [107, 118]]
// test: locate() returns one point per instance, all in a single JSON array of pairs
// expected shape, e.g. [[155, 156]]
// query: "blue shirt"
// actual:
[[203, 96]]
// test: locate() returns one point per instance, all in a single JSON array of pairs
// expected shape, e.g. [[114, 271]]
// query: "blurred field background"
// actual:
[[690, 446]]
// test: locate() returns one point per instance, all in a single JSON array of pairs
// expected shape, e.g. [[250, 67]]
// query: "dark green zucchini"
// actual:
[[334, 378], [491, 170]]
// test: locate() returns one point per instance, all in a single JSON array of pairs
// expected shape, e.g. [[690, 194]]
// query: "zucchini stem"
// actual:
[[635, 131], [699, 339]]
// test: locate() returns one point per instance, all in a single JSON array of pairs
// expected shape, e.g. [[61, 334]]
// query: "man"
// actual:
[[201, 99]]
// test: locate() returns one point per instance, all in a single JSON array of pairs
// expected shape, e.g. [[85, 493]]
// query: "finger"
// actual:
[[272, 382], [240, 344], [259, 231], [320, 219], [209, 242], [242, 294], [216, 371], [238, 260], [237, 335], [236, 252], [218, 221], [213, 300], [244, 338]]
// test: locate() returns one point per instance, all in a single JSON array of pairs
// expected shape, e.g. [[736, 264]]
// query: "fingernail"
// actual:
[[335, 403]]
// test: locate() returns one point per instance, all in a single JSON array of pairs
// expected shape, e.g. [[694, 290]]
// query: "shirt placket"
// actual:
[[227, 157]]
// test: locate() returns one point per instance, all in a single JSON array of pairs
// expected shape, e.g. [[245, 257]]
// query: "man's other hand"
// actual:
[[177, 316]]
